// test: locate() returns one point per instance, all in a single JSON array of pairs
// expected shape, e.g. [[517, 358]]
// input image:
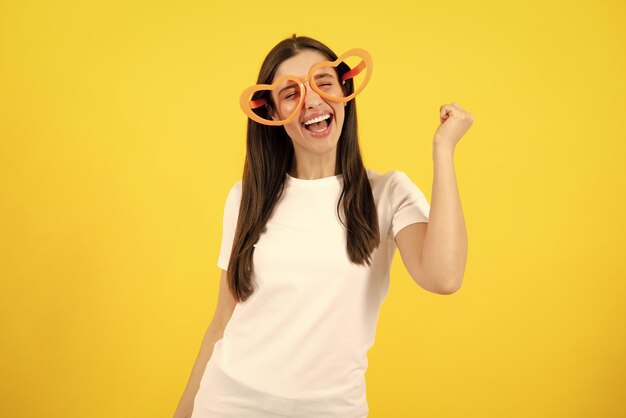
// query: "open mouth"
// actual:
[[319, 124]]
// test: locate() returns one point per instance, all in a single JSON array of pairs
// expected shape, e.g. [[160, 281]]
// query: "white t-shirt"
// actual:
[[305, 331]]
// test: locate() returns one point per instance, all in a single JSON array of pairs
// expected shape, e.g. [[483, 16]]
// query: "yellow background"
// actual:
[[121, 136]]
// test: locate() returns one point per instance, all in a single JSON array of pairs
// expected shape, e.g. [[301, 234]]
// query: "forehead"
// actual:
[[300, 64]]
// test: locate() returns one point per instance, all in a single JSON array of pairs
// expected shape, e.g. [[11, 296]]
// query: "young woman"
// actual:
[[309, 235]]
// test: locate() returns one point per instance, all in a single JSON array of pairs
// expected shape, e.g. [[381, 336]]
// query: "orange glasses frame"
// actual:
[[248, 105]]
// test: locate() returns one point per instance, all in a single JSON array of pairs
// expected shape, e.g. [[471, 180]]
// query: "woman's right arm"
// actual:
[[225, 306]]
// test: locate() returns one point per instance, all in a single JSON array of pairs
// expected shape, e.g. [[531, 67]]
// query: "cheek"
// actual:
[[286, 109], [293, 128]]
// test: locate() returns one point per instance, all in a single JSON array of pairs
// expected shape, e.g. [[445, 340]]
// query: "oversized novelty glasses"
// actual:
[[330, 80]]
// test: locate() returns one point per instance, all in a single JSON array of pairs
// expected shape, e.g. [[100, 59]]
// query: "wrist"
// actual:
[[441, 150]]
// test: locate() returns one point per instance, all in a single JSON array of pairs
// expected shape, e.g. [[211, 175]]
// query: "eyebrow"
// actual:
[[317, 76], [322, 75]]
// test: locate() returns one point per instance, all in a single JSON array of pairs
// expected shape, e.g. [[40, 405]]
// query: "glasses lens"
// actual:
[[273, 105], [326, 81], [287, 96]]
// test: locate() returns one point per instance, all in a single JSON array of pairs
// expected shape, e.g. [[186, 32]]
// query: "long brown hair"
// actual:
[[269, 155]]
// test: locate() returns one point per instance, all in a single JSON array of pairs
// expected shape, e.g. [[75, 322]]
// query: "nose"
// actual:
[[312, 99]]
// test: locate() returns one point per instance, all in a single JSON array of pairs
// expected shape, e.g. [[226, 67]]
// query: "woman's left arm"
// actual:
[[439, 264]]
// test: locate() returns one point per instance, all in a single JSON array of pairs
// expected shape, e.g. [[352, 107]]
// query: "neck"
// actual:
[[307, 169]]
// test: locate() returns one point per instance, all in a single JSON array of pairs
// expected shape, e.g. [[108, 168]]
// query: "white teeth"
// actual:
[[317, 119]]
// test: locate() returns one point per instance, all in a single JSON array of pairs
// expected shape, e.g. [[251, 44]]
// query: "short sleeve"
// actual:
[[231, 214], [408, 203]]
